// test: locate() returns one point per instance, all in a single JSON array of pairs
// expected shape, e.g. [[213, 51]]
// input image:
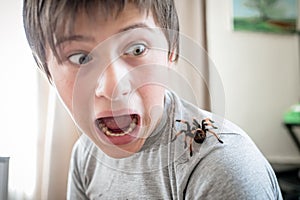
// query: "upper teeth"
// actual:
[[105, 130]]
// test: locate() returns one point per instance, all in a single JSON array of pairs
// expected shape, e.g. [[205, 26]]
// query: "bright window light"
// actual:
[[18, 102]]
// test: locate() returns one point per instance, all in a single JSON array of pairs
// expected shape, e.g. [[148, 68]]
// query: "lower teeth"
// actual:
[[131, 127]]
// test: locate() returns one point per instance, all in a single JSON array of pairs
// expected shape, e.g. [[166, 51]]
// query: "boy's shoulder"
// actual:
[[236, 165]]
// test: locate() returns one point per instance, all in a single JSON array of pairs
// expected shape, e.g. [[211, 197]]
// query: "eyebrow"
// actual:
[[73, 38], [92, 39], [134, 26]]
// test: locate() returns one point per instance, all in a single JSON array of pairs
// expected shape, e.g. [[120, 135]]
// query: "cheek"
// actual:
[[153, 102], [65, 90], [63, 80], [152, 97]]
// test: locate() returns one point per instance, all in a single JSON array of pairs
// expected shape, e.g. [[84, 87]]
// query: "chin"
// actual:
[[122, 151]]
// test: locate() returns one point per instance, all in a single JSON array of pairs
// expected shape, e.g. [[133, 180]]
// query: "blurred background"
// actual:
[[259, 73]]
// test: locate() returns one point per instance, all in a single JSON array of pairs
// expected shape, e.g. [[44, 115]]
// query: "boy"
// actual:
[[108, 61]]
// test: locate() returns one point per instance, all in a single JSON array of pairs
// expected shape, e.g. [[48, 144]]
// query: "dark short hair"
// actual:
[[43, 18]]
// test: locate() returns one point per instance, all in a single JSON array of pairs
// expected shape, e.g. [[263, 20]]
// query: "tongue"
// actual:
[[117, 123]]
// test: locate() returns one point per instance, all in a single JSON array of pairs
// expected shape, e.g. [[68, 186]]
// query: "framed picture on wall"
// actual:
[[276, 16]]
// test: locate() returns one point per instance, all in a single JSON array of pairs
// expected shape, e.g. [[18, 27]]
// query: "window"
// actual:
[[18, 101]]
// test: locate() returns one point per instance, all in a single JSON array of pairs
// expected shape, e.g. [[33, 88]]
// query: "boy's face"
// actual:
[[110, 78]]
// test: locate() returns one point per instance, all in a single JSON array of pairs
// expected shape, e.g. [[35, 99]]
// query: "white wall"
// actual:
[[260, 75]]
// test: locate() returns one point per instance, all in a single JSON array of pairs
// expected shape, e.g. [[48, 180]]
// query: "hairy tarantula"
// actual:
[[197, 132]]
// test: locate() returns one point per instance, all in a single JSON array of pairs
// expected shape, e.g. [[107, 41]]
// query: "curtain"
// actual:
[[57, 132], [193, 65]]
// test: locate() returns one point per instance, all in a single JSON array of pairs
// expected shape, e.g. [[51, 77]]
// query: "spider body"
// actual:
[[197, 132]]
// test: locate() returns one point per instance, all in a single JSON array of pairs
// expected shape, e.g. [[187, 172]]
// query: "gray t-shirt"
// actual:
[[164, 169]]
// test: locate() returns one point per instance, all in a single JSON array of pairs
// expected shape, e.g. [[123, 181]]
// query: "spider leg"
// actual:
[[190, 133], [215, 136], [187, 131], [188, 127], [191, 147], [177, 134], [208, 122], [196, 123], [185, 137], [182, 121]]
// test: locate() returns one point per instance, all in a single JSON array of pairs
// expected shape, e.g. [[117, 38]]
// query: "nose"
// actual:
[[114, 83]]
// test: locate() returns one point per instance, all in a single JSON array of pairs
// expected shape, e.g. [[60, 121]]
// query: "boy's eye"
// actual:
[[136, 50], [80, 58]]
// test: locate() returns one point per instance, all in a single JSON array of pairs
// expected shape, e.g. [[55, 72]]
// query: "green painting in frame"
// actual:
[[276, 16]]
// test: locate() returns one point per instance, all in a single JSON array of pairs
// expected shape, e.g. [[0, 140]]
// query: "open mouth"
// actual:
[[117, 126]]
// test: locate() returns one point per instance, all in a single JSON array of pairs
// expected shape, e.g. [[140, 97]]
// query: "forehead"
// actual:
[[128, 15], [98, 29], [98, 20]]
